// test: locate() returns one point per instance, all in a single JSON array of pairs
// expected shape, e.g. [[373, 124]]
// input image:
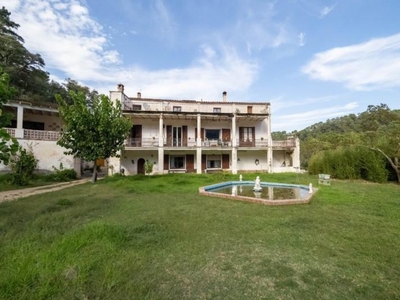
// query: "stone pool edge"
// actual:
[[306, 200]]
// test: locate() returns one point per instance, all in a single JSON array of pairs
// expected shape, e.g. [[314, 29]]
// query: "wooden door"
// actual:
[[246, 136], [225, 161], [226, 134], [203, 162], [166, 162], [140, 166], [190, 163], [136, 136], [169, 135], [184, 136]]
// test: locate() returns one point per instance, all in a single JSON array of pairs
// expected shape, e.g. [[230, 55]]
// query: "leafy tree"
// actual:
[[24, 68], [8, 144], [92, 132], [386, 141]]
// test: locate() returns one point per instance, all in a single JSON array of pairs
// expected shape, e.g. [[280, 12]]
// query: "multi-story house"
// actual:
[[175, 135], [201, 136], [37, 127]]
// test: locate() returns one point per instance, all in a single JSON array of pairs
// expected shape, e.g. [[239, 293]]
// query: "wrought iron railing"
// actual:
[[217, 143], [252, 143]]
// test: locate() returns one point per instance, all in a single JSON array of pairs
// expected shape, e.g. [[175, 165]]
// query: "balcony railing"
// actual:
[[217, 143], [170, 142], [252, 143], [41, 135], [10, 131], [284, 144], [141, 142]]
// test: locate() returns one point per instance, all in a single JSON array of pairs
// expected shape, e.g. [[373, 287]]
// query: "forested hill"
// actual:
[[365, 121], [377, 129]]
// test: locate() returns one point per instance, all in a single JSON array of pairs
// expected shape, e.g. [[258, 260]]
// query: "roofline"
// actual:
[[198, 101]]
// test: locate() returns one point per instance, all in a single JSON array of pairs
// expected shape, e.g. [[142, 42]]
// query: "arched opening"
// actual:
[[140, 166]]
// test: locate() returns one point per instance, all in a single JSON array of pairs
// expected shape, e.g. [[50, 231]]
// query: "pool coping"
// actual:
[[203, 191]]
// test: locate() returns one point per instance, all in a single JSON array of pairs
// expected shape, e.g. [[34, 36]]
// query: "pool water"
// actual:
[[269, 191]]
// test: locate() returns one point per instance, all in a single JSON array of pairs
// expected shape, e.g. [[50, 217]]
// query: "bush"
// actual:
[[23, 165], [148, 167], [349, 163], [62, 174]]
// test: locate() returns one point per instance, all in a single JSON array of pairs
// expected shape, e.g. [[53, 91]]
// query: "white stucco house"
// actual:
[[185, 136], [37, 126], [201, 136]]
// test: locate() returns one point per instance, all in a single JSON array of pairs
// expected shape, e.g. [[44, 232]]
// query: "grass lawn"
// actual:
[[154, 237], [36, 181]]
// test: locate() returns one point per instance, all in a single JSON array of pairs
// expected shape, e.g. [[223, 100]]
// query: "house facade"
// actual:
[[37, 127], [176, 136], [190, 136]]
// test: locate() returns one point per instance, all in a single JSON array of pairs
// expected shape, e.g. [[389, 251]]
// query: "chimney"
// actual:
[[139, 95], [120, 87], [224, 96]]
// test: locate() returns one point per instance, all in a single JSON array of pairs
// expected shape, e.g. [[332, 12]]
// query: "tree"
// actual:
[[8, 145], [386, 141], [24, 68], [92, 132]]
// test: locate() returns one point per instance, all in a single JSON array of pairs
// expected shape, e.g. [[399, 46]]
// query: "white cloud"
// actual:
[[66, 36], [326, 10], [302, 39], [367, 66], [289, 122], [206, 78], [72, 42]]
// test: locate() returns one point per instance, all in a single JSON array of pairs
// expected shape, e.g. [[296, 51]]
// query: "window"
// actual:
[[177, 136], [212, 134], [213, 161], [177, 162], [249, 109], [248, 134], [217, 109], [136, 107], [177, 108]]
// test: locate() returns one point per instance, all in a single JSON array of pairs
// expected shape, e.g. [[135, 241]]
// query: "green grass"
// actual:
[[36, 181], [154, 237]]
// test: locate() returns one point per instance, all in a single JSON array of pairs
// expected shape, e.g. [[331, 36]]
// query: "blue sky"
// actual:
[[312, 59]]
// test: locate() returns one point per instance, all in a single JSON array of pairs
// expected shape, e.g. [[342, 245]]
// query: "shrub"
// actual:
[[148, 167], [349, 163], [23, 165], [62, 174]]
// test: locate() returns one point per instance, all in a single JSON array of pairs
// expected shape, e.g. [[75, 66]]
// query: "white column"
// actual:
[[198, 148], [234, 146], [19, 131], [296, 154], [269, 134], [161, 146]]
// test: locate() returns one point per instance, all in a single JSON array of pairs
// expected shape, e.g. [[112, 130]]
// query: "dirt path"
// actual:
[[16, 194]]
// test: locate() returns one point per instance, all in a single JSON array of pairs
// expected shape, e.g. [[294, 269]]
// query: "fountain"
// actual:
[[269, 193], [257, 185]]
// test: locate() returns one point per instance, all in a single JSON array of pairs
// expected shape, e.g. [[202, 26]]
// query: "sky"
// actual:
[[313, 60]]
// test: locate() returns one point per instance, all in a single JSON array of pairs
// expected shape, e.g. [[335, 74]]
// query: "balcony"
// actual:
[[41, 135], [284, 144], [216, 143], [153, 143], [257, 143]]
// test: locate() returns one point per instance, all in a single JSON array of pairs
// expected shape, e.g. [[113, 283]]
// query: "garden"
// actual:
[[155, 237]]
